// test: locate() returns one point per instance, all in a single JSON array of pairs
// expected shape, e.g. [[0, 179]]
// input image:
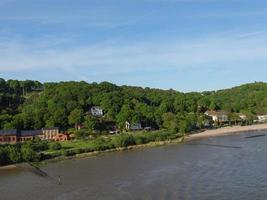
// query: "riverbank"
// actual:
[[225, 131], [91, 154], [120, 149], [195, 136]]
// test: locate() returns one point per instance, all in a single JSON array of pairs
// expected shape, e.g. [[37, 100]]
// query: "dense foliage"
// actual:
[[22, 152], [32, 105], [110, 142]]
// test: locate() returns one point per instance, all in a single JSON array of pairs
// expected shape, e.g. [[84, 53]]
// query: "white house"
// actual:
[[133, 126], [262, 118], [217, 116], [242, 116], [96, 111]]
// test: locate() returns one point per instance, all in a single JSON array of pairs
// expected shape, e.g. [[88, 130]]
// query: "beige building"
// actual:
[[217, 116], [133, 126], [50, 133]]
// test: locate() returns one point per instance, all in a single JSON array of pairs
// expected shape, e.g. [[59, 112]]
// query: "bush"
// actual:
[[14, 154], [140, 139], [79, 151], [68, 153], [123, 140], [29, 155], [39, 145], [89, 149], [81, 134], [101, 144], [55, 146]]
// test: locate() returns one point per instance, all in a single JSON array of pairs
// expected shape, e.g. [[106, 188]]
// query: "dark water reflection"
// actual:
[[197, 171]]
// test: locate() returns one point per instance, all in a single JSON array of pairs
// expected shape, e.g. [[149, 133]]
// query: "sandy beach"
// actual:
[[225, 131]]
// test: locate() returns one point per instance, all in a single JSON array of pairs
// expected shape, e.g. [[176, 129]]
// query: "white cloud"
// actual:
[[127, 57]]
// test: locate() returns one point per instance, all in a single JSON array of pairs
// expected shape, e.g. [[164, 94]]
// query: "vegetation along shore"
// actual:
[[105, 117], [57, 151]]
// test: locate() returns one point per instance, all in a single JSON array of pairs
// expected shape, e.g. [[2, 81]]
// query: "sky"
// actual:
[[186, 45]]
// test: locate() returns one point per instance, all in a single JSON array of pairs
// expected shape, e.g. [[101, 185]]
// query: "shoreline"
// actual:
[[92, 154], [224, 131], [121, 149], [196, 136]]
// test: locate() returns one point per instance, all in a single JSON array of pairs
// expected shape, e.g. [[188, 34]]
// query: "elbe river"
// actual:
[[227, 167]]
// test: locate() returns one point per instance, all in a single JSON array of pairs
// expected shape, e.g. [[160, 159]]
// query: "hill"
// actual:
[[32, 105]]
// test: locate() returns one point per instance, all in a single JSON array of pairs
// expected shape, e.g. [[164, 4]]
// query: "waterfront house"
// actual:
[[242, 116], [217, 116], [30, 135], [262, 118], [8, 136], [96, 111], [14, 136], [50, 133], [133, 126]]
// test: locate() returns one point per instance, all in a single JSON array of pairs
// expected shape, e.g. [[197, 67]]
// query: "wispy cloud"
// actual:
[[103, 39], [127, 57]]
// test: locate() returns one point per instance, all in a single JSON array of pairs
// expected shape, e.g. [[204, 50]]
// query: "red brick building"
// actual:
[[14, 136], [8, 136]]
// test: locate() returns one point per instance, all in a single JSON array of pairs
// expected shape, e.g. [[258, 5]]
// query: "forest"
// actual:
[[33, 105]]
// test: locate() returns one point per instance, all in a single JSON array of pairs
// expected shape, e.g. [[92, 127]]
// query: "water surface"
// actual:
[[185, 171]]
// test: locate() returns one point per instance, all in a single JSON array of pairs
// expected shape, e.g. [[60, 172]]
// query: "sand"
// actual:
[[225, 131]]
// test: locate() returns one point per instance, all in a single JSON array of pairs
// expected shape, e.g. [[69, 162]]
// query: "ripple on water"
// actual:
[[187, 172]]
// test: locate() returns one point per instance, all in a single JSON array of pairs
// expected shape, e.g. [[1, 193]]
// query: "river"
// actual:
[[228, 167]]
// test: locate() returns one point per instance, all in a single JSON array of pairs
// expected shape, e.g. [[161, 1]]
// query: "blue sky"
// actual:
[[187, 45]]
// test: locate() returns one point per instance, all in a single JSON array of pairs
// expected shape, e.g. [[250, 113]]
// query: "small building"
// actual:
[[262, 118], [96, 111], [61, 137], [242, 116], [217, 116], [14, 136], [8, 136], [30, 135], [50, 133], [133, 126]]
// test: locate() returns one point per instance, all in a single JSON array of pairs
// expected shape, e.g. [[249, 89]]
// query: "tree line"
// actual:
[[32, 105]]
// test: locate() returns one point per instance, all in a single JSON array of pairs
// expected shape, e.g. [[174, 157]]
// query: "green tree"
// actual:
[[90, 123], [76, 117]]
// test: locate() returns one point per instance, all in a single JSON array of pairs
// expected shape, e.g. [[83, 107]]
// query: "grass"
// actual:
[[102, 143]]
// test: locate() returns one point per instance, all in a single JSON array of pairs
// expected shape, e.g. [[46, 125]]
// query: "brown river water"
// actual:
[[228, 167]]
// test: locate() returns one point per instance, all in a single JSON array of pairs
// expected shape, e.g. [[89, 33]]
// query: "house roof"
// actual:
[[96, 108], [211, 112], [8, 132], [53, 128], [30, 133], [24, 133], [215, 113]]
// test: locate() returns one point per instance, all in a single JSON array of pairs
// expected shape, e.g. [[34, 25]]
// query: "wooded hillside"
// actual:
[[32, 105]]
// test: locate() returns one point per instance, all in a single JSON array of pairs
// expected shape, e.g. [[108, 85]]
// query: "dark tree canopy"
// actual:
[[33, 105]]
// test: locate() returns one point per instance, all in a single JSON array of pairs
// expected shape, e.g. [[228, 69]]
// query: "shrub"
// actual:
[[101, 144], [39, 145], [55, 146], [140, 139], [79, 151], [68, 153], [81, 134], [29, 155], [123, 140]]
